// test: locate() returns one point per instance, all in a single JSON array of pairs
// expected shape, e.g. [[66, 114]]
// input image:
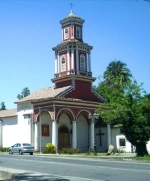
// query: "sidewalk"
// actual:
[[115, 156], [23, 175]]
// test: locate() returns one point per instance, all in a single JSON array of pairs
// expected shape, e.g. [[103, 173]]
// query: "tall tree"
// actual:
[[3, 107], [119, 70], [125, 106], [25, 92]]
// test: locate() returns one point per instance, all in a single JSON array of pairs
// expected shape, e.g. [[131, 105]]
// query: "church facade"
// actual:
[[64, 114]]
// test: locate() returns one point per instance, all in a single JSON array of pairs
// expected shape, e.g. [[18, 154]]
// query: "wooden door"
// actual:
[[63, 138]]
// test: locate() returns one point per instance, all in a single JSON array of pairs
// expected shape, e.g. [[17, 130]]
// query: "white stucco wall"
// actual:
[[116, 135], [103, 146], [148, 147], [82, 134], [45, 119], [9, 131], [24, 124]]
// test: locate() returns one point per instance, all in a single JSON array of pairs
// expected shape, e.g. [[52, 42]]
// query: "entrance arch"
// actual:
[[63, 137]]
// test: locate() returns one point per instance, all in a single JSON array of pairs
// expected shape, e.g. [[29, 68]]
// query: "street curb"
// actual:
[[6, 175]]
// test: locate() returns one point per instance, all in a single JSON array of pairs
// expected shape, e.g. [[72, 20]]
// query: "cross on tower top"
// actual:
[[71, 5]]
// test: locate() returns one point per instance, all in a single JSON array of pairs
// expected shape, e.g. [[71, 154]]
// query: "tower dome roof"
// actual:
[[72, 14], [72, 18]]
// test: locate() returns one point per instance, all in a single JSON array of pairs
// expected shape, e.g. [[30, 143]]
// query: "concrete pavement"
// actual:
[[23, 175]]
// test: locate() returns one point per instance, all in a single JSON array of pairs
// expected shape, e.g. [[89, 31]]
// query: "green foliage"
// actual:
[[68, 151], [25, 92], [4, 149], [127, 104], [50, 148], [90, 151], [3, 107]]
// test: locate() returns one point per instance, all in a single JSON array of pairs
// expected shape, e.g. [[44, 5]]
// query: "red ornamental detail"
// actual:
[[45, 130]]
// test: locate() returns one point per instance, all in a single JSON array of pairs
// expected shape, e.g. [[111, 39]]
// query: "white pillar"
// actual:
[[77, 61], [89, 60], [54, 133], [1, 133], [58, 64], [108, 135], [92, 134], [36, 136], [30, 129], [74, 134], [56, 67], [62, 35], [87, 63], [68, 60], [72, 58]]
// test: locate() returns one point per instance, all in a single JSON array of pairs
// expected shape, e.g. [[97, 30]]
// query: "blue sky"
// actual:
[[117, 29]]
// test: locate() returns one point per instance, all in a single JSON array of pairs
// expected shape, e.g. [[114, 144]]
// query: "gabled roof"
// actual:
[[44, 94], [8, 113]]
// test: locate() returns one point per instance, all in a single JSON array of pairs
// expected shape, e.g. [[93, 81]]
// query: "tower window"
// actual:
[[63, 64], [66, 33], [78, 33], [82, 62]]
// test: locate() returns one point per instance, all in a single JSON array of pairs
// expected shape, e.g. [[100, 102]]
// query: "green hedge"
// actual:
[[4, 149]]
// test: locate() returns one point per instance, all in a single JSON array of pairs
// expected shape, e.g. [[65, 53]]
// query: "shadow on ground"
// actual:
[[33, 177]]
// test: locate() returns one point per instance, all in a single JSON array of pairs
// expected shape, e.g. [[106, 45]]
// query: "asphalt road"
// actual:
[[87, 169]]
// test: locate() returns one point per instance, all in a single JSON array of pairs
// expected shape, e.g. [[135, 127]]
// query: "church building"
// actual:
[[64, 114]]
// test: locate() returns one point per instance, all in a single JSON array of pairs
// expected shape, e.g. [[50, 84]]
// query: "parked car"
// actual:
[[21, 148]]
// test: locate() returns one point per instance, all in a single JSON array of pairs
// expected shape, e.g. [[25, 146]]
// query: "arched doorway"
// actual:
[[63, 137]]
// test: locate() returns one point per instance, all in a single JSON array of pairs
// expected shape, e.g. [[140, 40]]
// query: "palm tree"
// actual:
[[117, 70]]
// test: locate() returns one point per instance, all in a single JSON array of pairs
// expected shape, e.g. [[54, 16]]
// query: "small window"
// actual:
[[77, 32], [63, 64], [82, 62], [122, 142], [66, 33]]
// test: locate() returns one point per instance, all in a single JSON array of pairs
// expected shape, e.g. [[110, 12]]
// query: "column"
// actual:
[[77, 60], [87, 63], [108, 135], [62, 35], [92, 134], [89, 60], [36, 136], [58, 64], [74, 134], [72, 59], [68, 60], [1, 133], [30, 132], [54, 133], [56, 67]]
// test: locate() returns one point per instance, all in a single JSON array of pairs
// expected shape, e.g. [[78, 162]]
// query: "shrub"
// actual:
[[90, 151], [68, 151], [50, 148], [4, 149]]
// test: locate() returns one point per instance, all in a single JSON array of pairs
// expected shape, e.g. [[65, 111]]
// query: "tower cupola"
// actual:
[[72, 56], [72, 28]]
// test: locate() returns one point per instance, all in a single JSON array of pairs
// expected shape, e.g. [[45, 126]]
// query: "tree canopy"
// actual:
[[3, 107], [25, 92], [127, 104]]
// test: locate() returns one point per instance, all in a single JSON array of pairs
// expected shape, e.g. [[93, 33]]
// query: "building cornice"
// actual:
[[63, 46], [73, 77]]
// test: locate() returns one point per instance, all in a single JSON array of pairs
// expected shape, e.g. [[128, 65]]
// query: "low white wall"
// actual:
[[148, 147], [10, 131]]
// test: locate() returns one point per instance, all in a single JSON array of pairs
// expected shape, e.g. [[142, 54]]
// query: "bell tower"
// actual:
[[72, 56]]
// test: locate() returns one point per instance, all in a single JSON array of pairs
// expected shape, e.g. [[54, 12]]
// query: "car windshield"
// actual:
[[26, 144]]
